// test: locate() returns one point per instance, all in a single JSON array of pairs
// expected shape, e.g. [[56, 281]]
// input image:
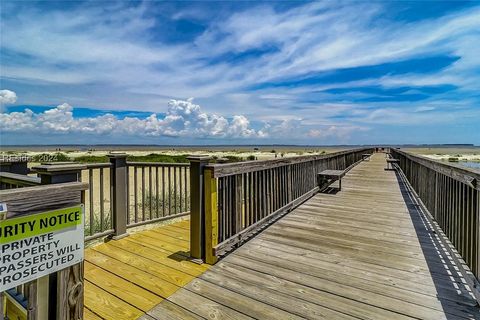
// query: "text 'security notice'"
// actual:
[[36, 245]]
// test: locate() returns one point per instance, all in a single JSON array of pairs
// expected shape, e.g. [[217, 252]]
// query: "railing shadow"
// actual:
[[452, 292], [330, 190]]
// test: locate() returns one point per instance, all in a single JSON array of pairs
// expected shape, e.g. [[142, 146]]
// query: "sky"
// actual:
[[289, 72]]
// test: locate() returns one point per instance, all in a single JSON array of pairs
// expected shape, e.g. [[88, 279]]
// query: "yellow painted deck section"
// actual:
[[126, 278]]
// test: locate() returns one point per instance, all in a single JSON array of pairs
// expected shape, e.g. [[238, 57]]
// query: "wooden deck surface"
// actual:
[[126, 278], [363, 253]]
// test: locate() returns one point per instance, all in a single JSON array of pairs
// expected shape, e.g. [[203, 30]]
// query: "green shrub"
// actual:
[[452, 159], [97, 226], [156, 157], [91, 159], [49, 157], [234, 159], [152, 202]]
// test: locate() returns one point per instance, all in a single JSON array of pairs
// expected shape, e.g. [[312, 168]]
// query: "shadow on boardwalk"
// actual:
[[448, 280]]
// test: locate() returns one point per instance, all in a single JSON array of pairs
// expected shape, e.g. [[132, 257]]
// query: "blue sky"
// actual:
[[330, 72]]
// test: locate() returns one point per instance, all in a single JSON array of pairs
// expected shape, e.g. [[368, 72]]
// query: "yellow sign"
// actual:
[[36, 245], [37, 224]]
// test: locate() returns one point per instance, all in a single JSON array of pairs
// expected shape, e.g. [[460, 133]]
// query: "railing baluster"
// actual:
[[101, 200], [143, 193], [90, 198], [175, 189], [157, 204], [135, 188], [128, 196], [180, 188], [169, 191], [150, 202]]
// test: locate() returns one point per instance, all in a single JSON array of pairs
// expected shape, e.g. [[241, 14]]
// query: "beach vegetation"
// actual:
[[173, 203]]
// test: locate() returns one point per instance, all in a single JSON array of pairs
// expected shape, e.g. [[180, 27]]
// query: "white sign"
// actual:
[[36, 245]]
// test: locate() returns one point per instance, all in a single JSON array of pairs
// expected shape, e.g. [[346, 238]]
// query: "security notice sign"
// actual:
[[36, 245]]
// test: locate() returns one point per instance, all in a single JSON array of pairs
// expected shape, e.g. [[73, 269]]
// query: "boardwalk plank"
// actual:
[[161, 271], [205, 307], [178, 263], [89, 315], [246, 305], [122, 289], [145, 280], [170, 311], [286, 302], [108, 306], [349, 305]]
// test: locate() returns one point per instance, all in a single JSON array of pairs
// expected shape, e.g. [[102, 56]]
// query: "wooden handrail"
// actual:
[[227, 169], [20, 180], [464, 175], [157, 164]]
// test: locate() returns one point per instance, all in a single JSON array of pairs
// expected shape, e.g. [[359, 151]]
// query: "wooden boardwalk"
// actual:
[[126, 278], [363, 253]]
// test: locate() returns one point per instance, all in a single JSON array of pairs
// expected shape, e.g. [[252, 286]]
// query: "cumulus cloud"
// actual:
[[342, 132], [7, 97], [183, 119]]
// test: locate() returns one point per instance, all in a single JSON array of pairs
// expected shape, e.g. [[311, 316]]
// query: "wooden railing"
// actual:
[[98, 199], [10, 180], [241, 198], [157, 191], [121, 194], [452, 196]]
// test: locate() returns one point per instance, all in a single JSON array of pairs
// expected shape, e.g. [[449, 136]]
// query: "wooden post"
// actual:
[[211, 217], [63, 292], [118, 190], [238, 201], [197, 209]]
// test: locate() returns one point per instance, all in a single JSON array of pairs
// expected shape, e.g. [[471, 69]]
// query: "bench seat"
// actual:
[[333, 175], [390, 162]]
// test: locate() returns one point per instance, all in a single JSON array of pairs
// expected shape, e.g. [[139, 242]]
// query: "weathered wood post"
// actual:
[[65, 288], [118, 189], [476, 203], [197, 208]]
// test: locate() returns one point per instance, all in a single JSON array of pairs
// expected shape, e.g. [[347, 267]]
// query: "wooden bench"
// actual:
[[366, 156], [333, 175], [390, 162]]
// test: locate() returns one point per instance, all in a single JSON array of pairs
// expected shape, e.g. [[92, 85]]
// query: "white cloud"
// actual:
[[183, 119], [7, 97], [341, 132]]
